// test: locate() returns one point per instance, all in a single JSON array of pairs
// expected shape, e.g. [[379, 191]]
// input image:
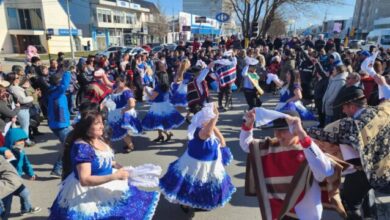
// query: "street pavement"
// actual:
[[45, 152]]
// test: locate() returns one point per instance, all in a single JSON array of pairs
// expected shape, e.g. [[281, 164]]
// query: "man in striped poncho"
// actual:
[[225, 72], [291, 177]]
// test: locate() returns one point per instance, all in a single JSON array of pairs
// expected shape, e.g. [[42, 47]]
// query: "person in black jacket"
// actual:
[[306, 69], [320, 43], [319, 91], [42, 83]]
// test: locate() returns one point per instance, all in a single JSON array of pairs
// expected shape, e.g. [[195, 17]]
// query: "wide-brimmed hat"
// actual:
[[350, 94], [281, 123], [251, 61]]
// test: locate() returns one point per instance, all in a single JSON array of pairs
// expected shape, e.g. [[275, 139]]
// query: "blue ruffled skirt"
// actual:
[[131, 123], [196, 183], [227, 156], [163, 116], [115, 122], [113, 200], [298, 107], [179, 96]]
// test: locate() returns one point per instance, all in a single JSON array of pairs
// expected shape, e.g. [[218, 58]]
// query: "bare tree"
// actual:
[[159, 27], [264, 12]]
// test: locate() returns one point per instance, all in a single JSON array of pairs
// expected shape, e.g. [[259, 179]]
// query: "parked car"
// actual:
[[379, 38], [355, 44], [136, 50], [147, 48], [171, 47], [109, 50]]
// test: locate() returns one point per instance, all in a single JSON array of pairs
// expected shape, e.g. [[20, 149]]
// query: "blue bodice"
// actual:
[[162, 96], [101, 161], [206, 150], [187, 77], [122, 98], [285, 93]]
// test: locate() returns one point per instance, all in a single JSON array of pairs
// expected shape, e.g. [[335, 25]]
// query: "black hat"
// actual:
[[350, 94], [195, 69], [281, 123]]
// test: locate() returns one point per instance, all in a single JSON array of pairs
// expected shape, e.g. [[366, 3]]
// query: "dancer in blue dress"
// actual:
[[178, 94], [162, 115], [291, 95], [122, 116], [96, 187], [198, 178]]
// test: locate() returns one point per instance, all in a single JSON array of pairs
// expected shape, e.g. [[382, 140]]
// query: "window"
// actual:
[[30, 19], [104, 15], [385, 40], [130, 18], [12, 18], [119, 17]]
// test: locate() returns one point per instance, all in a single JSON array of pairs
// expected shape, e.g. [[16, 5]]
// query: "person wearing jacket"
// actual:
[[58, 111], [25, 103], [10, 181], [336, 81], [42, 83], [319, 91], [13, 151], [7, 114]]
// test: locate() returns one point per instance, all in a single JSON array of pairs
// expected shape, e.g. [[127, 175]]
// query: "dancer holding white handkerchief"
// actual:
[[96, 187]]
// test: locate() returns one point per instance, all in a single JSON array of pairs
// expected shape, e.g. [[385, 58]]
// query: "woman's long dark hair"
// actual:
[[79, 133], [295, 80], [163, 81]]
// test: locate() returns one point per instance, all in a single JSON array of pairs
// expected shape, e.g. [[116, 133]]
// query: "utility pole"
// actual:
[[70, 30]]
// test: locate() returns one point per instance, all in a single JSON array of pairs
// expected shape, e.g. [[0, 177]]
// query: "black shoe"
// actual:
[[185, 209], [159, 138], [37, 133], [169, 136]]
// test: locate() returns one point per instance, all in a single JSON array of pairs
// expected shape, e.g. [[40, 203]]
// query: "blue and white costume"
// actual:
[[297, 106], [198, 178], [122, 123], [162, 114], [116, 199], [178, 93]]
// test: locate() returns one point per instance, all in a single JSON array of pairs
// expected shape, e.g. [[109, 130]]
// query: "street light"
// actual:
[[70, 31]]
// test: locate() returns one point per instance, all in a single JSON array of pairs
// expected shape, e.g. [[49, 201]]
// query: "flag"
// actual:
[[226, 75], [254, 78]]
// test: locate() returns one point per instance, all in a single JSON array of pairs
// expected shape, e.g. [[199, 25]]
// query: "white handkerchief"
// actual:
[[265, 116], [146, 175], [367, 62], [384, 92]]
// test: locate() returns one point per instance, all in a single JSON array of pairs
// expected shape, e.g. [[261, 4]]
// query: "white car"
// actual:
[[135, 50], [109, 50]]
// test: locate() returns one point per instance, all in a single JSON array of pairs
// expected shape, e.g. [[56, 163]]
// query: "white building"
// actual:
[[98, 23]]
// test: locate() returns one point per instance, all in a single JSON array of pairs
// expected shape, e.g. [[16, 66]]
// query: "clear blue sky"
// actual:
[[315, 17]]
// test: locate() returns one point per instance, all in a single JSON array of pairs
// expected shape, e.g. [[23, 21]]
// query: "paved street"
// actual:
[[44, 189]]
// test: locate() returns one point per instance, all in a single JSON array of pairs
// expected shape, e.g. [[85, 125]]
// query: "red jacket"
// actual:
[[195, 46], [369, 86]]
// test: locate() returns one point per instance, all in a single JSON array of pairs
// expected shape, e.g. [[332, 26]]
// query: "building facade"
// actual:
[[93, 24], [365, 14], [197, 7]]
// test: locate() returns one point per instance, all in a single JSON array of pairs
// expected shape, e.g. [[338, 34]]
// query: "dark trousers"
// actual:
[[139, 88], [354, 193], [5, 207], [227, 92], [251, 98], [321, 115]]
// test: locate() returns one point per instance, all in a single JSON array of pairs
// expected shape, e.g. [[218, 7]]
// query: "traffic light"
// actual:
[[255, 29]]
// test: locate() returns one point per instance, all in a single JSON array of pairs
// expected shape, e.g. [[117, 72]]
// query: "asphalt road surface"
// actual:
[[43, 155]]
